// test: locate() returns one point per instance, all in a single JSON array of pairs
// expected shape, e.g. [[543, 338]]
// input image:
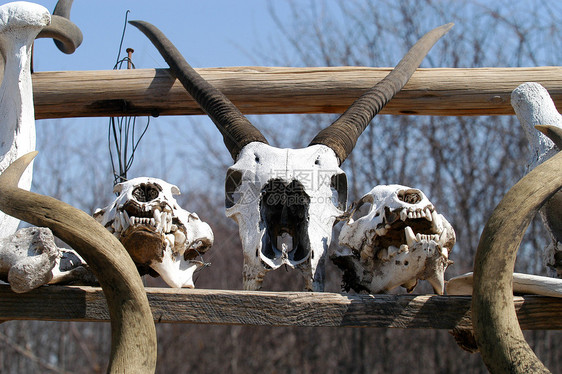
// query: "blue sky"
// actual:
[[212, 32]]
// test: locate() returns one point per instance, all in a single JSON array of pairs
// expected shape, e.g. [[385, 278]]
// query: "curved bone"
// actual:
[[342, 135], [66, 34], [523, 284], [497, 331], [534, 108], [133, 338]]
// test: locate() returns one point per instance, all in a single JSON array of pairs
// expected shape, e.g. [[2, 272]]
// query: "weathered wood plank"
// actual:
[[274, 308], [278, 90]]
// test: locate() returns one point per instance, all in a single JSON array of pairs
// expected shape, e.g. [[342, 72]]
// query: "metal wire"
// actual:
[[122, 134]]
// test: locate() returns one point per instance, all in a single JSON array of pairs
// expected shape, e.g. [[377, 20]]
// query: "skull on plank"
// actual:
[[161, 237], [266, 241], [394, 237]]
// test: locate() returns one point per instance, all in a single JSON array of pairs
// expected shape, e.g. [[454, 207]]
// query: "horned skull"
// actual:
[[396, 237], [274, 231], [161, 237], [285, 202]]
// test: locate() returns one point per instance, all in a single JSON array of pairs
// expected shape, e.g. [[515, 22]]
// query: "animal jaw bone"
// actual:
[[242, 138], [20, 24], [396, 237], [161, 237]]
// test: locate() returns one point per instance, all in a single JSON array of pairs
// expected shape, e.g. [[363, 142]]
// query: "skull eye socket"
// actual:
[[338, 184], [145, 193], [232, 182], [362, 208], [410, 196]]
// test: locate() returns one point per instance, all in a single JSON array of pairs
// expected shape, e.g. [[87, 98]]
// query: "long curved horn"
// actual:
[[342, 135], [236, 130], [133, 335], [498, 335], [66, 34]]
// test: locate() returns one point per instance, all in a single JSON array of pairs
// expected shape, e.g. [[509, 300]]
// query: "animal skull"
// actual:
[[396, 237], [285, 202], [159, 235], [274, 233]]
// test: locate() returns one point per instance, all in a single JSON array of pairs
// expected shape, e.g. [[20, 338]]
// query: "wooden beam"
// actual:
[[65, 303], [277, 90]]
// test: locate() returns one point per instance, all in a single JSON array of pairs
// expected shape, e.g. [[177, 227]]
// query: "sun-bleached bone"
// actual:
[[20, 22], [30, 258], [394, 237], [159, 235], [523, 284], [534, 106], [285, 202], [262, 186]]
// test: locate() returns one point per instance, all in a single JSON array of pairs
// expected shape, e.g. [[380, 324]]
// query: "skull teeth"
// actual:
[[412, 239], [409, 213], [160, 220]]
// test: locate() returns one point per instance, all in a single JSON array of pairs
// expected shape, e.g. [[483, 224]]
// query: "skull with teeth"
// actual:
[[285, 202], [161, 237], [287, 220], [396, 237]]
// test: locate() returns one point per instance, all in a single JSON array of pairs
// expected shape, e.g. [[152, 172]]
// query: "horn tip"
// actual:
[[14, 171]]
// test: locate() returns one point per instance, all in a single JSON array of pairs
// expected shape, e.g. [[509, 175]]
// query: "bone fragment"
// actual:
[[534, 107], [27, 258], [525, 284], [20, 23]]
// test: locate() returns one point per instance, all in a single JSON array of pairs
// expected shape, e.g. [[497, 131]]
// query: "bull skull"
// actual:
[[272, 230], [396, 237], [20, 23], [285, 202], [159, 235]]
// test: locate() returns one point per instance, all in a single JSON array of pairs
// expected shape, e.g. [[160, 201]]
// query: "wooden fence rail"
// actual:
[[277, 90], [73, 303]]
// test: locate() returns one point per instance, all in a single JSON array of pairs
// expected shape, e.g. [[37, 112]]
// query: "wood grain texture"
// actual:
[[278, 90], [73, 303]]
